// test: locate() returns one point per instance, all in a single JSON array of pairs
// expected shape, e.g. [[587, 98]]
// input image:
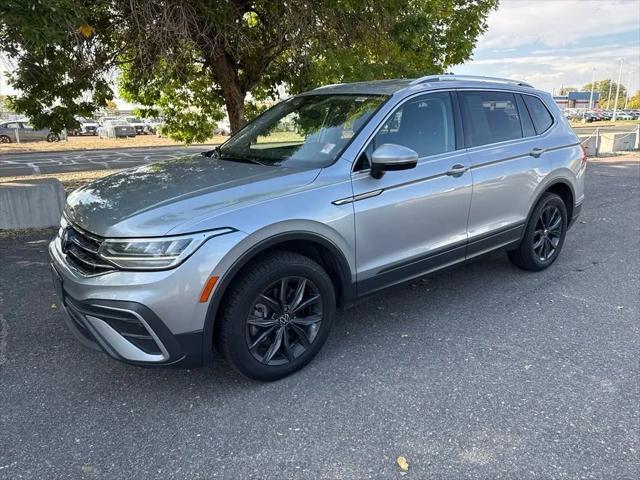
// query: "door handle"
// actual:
[[536, 152], [456, 170]]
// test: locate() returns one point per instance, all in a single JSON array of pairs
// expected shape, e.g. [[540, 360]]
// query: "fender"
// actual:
[[544, 187], [221, 288]]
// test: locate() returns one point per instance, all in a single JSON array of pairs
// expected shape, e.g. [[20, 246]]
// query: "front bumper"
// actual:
[[151, 318], [127, 331]]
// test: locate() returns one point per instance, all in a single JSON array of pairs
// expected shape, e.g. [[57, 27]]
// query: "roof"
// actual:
[[389, 87]]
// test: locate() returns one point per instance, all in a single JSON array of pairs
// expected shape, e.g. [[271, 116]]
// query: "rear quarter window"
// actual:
[[542, 119]]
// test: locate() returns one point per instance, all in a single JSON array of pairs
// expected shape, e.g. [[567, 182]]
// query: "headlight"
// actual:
[[154, 253]]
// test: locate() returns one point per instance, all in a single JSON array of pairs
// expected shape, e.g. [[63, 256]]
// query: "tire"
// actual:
[[544, 235], [246, 317], [53, 137], [5, 139]]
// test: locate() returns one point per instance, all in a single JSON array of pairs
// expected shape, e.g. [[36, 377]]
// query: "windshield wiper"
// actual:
[[240, 158]]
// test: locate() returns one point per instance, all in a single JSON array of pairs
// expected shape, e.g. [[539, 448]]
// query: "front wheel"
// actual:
[[544, 235], [276, 316], [53, 137], [5, 139]]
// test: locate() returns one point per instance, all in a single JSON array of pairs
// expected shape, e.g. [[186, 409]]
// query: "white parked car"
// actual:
[[116, 129], [142, 128]]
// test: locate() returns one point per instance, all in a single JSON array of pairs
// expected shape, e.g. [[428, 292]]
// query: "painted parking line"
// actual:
[[58, 162]]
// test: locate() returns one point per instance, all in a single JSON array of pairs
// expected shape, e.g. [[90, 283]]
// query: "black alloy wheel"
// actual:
[[275, 315], [544, 234], [285, 320]]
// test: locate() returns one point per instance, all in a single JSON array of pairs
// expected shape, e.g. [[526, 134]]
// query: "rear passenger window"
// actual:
[[542, 119], [489, 117]]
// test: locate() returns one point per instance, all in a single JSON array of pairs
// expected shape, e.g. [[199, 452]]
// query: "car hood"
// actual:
[[174, 195]]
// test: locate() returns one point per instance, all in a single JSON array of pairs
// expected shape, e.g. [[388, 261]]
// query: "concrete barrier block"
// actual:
[[31, 203], [589, 144], [617, 142]]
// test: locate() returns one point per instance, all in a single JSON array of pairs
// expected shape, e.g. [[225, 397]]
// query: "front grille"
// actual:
[[81, 250]]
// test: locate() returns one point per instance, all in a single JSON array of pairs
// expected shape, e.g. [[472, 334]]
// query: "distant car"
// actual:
[[624, 116], [221, 131], [22, 131], [154, 124], [116, 129], [141, 127], [88, 126]]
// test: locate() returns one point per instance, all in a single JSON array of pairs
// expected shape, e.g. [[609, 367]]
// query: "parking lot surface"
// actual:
[[14, 164], [482, 371]]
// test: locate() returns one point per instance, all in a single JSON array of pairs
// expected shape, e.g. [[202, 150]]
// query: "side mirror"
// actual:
[[389, 156]]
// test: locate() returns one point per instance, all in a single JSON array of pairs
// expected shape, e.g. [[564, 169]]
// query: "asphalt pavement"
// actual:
[[14, 164], [482, 371]]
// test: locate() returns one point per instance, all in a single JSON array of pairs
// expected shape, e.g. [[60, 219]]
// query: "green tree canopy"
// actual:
[[606, 87], [192, 58], [634, 102]]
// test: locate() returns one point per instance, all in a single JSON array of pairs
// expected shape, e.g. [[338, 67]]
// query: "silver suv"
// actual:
[[328, 196]]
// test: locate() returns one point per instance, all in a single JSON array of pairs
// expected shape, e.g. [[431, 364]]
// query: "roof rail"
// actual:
[[450, 76]]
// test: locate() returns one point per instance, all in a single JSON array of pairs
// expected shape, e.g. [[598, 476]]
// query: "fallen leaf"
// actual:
[[403, 464], [53, 305], [86, 30]]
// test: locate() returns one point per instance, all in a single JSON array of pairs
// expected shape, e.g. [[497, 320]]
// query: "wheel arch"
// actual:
[[315, 246], [561, 187]]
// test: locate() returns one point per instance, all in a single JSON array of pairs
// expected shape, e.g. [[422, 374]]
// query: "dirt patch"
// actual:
[[95, 143]]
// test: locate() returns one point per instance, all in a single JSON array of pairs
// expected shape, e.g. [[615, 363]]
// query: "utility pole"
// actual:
[[626, 100], [615, 107], [593, 78], [609, 96]]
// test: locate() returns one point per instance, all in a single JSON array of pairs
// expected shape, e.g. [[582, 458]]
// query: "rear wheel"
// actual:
[[53, 137], [5, 139], [544, 235], [276, 316]]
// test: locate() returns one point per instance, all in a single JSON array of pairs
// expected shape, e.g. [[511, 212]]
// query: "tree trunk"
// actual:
[[226, 75], [234, 101]]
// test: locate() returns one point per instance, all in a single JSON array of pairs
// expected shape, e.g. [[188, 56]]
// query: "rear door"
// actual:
[[507, 164]]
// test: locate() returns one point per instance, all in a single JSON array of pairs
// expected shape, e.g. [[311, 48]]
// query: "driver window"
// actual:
[[424, 124]]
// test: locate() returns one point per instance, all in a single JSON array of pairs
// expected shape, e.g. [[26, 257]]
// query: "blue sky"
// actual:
[[551, 43]]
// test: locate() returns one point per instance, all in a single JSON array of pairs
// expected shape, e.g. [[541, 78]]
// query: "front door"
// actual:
[[413, 221]]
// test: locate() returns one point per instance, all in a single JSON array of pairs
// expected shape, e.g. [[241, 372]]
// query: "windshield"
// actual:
[[306, 131]]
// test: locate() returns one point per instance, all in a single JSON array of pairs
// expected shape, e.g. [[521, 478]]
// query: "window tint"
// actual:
[[525, 118], [489, 117], [542, 119], [424, 124], [11, 125]]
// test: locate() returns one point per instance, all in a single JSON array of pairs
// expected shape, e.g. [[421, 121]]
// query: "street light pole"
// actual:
[[593, 78], [609, 96], [626, 100], [615, 107]]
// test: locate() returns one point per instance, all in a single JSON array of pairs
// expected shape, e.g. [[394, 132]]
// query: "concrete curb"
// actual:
[[31, 203]]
